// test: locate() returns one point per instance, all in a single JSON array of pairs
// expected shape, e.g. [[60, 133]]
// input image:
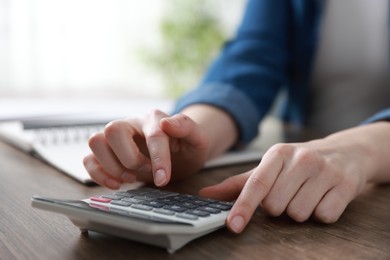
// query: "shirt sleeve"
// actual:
[[229, 99], [383, 115], [247, 75]]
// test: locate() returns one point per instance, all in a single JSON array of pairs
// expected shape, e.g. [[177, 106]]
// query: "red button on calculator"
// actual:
[[101, 199]]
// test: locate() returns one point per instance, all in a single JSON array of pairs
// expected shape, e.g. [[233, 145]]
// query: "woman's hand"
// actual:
[[146, 149], [317, 178], [158, 147]]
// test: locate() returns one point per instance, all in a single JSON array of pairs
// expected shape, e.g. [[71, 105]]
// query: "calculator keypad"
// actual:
[[164, 203]]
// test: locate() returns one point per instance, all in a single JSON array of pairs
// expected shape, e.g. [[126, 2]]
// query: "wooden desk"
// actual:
[[363, 232]]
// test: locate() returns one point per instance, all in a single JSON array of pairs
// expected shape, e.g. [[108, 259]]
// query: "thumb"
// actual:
[[183, 127], [227, 190]]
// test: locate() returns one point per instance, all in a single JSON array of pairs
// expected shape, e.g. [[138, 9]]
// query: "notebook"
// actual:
[[62, 141]]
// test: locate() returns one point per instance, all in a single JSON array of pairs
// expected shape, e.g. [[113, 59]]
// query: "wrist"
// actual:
[[367, 148], [217, 125]]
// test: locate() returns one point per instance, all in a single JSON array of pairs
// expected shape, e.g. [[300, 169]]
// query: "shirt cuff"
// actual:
[[229, 99], [383, 115]]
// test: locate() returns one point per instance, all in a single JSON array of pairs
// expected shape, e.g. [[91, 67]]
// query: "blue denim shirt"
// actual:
[[273, 50]]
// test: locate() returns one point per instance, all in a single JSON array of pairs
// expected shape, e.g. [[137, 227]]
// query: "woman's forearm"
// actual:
[[371, 141]]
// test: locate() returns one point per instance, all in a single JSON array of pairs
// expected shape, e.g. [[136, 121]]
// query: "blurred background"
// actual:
[[111, 49]]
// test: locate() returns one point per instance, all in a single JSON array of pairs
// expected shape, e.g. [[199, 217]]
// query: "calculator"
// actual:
[[149, 215]]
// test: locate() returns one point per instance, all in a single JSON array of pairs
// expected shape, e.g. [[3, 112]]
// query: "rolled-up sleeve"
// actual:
[[232, 101], [248, 74]]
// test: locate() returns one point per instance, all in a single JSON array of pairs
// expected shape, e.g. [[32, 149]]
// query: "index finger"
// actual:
[[157, 142], [254, 191]]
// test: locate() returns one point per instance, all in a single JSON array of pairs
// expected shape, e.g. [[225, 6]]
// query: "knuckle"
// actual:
[[326, 216], [155, 133], [156, 113], [350, 183], [95, 139], [113, 128], [271, 207], [296, 213], [328, 213], [94, 174], [259, 182], [133, 163], [157, 160], [92, 167], [281, 149], [87, 161], [306, 157], [245, 209]]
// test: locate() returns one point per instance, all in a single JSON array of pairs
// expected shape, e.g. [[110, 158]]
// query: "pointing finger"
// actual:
[[157, 142], [255, 189]]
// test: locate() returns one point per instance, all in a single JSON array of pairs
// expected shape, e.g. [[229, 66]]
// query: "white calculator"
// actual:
[[153, 216]]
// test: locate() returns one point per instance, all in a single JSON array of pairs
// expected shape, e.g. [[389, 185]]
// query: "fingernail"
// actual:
[[159, 177], [127, 177], [237, 224]]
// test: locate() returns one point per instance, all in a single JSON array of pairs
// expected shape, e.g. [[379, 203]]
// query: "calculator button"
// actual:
[[141, 207], [167, 201], [153, 204], [210, 210], [164, 212], [121, 203], [142, 197], [175, 208], [100, 199], [188, 205], [124, 194], [208, 200], [189, 197], [200, 202], [220, 206], [230, 203], [132, 200], [113, 196], [164, 194], [179, 198], [199, 213]]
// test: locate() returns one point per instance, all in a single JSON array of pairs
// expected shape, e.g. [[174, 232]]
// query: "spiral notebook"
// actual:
[[63, 142]]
